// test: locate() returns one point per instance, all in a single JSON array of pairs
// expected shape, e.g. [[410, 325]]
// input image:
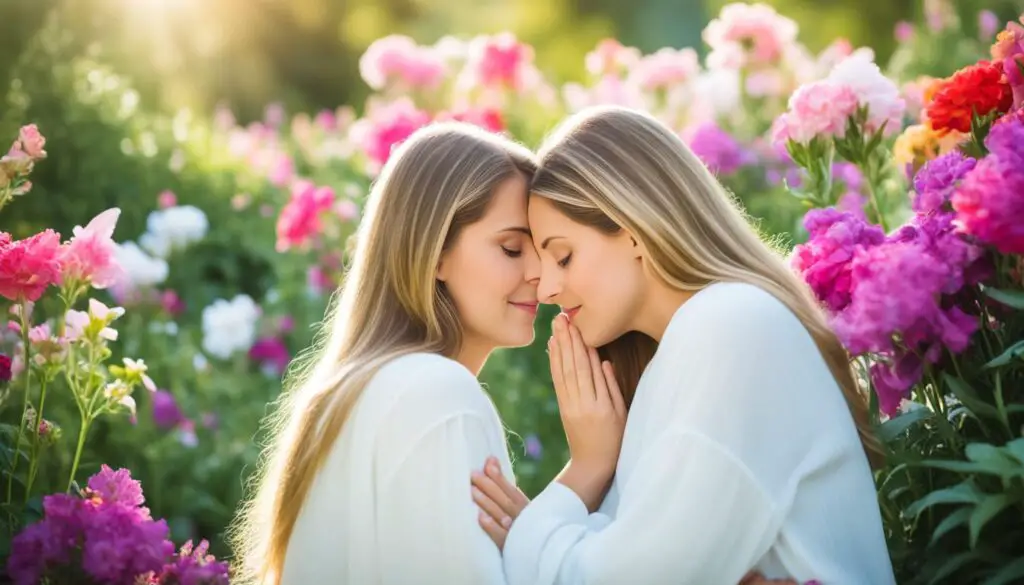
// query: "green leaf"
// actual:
[[950, 522], [968, 398], [1010, 298], [962, 493], [951, 565], [1011, 354], [1011, 573], [985, 511], [994, 460], [1016, 449], [895, 427]]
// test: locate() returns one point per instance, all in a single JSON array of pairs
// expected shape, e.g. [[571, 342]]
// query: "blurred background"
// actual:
[[156, 105]]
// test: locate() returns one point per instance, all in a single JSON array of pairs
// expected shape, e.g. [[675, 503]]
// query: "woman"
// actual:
[[365, 481], [747, 442]]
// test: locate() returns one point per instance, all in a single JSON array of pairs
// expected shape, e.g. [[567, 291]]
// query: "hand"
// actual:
[[500, 502], [592, 409], [755, 578]]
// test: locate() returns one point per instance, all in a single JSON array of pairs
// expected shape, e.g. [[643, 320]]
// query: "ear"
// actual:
[[639, 250], [442, 273]]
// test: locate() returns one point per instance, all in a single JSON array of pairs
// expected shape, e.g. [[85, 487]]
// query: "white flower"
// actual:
[[140, 269], [873, 89], [229, 326], [173, 228]]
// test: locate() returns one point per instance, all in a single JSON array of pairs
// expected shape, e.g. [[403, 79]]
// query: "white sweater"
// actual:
[[392, 504], [739, 453]]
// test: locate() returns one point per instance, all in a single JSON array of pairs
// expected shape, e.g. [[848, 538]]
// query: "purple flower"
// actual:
[[824, 261], [722, 153], [533, 447], [937, 179], [892, 381], [117, 487], [166, 413], [194, 567], [5, 369], [990, 200], [120, 545]]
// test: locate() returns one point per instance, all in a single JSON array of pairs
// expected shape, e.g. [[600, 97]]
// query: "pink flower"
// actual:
[[904, 31], [499, 61], [816, 109], [32, 142], [91, 254], [748, 35], [398, 59], [166, 199], [873, 90], [1009, 49], [299, 221], [29, 266], [172, 303], [988, 24], [610, 57], [665, 68], [609, 90], [386, 127], [271, 352], [282, 171], [487, 118]]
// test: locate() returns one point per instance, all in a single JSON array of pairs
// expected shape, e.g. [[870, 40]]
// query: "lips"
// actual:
[[571, 312], [528, 307]]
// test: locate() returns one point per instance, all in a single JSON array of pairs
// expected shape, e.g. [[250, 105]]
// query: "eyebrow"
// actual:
[[544, 244], [519, 229]]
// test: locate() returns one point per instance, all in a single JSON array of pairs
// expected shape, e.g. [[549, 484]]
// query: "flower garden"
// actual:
[[142, 348]]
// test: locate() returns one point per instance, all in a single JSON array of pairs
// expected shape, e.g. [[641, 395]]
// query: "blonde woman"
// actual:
[[747, 443], [366, 479]]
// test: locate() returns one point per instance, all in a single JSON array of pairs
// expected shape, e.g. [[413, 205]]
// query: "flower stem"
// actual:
[[78, 450], [24, 400], [871, 178], [33, 460]]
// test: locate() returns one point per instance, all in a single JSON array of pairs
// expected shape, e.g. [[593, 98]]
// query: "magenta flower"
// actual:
[[385, 127], [194, 567], [825, 260], [166, 413], [117, 487], [397, 59], [271, 352], [5, 369], [499, 61], [990, 199]]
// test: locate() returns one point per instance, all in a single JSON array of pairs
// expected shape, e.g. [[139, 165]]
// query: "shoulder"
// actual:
[[737, 315], [428, 388]]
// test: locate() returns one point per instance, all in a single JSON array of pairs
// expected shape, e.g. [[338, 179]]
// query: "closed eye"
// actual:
[[565, 261], [512, 253]]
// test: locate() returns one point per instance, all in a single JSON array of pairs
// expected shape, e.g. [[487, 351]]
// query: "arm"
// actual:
[[427, 520], [691, 515]]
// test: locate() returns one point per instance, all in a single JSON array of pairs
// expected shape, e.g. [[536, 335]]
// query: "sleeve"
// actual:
[[734, 399], [693, 516], [427, 520]]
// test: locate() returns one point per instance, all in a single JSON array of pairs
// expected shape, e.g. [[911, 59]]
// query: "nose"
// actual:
[[549, 285], [532, 262]]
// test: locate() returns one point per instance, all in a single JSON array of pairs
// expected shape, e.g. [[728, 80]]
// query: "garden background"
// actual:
[[204, 121]]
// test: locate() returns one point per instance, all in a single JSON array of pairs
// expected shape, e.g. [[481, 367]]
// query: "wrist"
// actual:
[[589, 482]]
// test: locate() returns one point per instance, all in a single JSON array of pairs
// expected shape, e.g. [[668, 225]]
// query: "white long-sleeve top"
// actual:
[[739, 453], [392, 503]]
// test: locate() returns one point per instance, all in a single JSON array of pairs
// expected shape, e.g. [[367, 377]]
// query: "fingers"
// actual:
[[569, 373], [581, 361], [496, 532], [618, 401], [598, 376], [516, 495], [490, 507], [493, 499], [557, 378]]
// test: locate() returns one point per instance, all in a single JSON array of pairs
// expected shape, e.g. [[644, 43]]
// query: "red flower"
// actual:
[[487, 118], [28, 266], [977, 89]]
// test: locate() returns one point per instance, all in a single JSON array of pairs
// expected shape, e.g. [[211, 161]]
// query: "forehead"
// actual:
[[508, 204], [547, 219]]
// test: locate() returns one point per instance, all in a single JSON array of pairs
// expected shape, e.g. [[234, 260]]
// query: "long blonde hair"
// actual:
[[390, 303], [612, 168]]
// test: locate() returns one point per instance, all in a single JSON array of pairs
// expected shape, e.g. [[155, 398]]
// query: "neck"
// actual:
[[660, 305], [473, 355]]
